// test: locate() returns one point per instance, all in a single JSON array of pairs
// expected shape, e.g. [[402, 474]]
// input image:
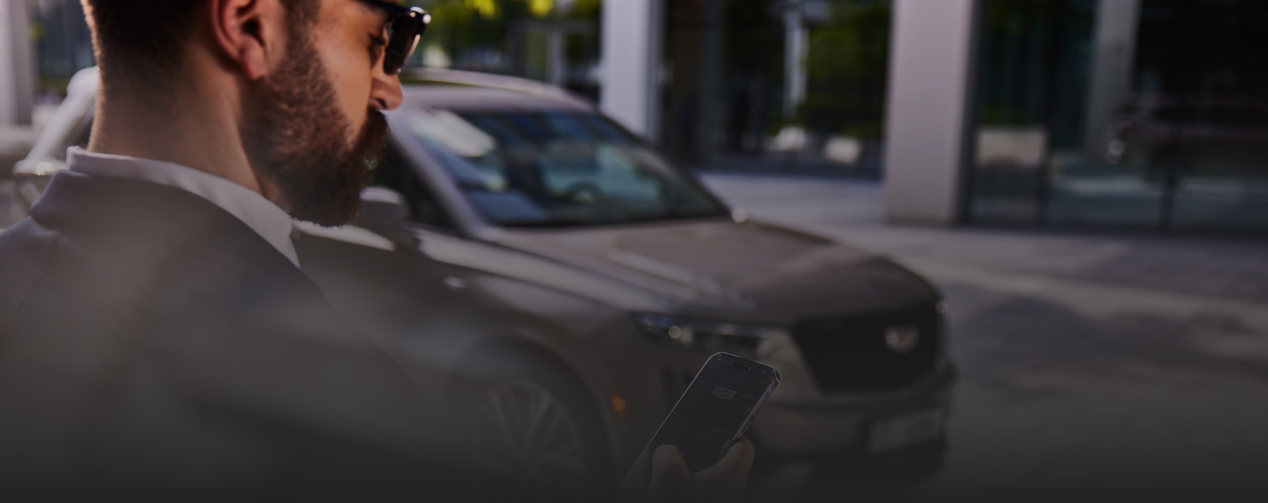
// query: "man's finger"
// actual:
[[728, 479], [734, 465], [671, 479]]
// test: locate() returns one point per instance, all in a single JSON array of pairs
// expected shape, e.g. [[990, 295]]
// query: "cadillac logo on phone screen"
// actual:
[[903, 339], [723, 393]]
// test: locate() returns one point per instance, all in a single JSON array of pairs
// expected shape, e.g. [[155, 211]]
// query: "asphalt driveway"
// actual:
[[1093, 366]]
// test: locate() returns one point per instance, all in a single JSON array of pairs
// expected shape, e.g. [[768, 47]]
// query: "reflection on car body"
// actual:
[[556, 282]]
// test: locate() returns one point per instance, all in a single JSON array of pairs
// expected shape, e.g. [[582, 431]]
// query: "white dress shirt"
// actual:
[[260, 214]]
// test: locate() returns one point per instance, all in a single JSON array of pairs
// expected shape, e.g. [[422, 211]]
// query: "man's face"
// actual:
[[317, 119]]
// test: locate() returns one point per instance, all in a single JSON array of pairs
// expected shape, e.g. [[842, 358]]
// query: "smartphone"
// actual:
[[708, 419]]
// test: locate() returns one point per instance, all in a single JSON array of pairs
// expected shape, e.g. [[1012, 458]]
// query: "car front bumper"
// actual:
[[837, 426]]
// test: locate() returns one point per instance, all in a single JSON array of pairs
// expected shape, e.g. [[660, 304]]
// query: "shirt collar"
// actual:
[[253, 209]]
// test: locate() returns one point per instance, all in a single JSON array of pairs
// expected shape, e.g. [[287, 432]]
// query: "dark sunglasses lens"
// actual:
[[405, 32]]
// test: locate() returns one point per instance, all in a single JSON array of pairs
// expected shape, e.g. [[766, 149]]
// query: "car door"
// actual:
[[419, 309]]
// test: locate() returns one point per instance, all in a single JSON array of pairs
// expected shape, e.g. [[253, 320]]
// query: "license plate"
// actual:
[[908, 429]]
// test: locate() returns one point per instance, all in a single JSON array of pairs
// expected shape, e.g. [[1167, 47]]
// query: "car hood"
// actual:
[[746, 273]]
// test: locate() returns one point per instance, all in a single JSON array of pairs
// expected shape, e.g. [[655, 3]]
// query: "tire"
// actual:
[[528, 429]]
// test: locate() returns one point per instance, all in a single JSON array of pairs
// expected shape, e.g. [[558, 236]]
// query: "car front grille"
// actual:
[[853, 355]]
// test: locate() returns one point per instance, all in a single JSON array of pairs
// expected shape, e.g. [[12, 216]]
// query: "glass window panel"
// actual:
[[1174, 137]]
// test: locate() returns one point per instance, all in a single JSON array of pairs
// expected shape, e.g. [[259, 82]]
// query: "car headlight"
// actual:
[[704, 335]]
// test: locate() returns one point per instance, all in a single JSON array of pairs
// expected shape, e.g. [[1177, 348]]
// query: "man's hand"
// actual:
[[725, 481]]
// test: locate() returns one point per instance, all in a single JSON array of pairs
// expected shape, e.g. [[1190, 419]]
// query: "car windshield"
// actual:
[[548, 169]]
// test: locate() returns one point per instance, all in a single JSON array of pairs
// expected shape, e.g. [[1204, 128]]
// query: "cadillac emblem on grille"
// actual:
[[902, 339]]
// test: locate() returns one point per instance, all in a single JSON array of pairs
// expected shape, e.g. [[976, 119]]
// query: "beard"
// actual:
[[297, 140]]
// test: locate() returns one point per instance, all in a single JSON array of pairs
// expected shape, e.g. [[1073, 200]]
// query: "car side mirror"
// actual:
[[382, 207], [384, 212]]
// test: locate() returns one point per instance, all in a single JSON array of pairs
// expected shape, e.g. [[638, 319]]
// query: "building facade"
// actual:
[[1147, 114], [1131, 114]]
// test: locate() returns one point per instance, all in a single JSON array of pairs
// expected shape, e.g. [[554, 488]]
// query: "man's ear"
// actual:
[[251, 34]]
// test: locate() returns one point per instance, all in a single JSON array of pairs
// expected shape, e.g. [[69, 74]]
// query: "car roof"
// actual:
[[459, 90]]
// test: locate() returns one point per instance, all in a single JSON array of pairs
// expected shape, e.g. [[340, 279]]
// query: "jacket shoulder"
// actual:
[[25, 249]]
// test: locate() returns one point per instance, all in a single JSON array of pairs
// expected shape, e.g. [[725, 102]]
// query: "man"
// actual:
[[157, 337]]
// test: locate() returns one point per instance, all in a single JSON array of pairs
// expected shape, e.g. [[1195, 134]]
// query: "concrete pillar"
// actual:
[[558, 60], [928, 111], [633, 33], [1113, 61], [17, 64], [796, 44]]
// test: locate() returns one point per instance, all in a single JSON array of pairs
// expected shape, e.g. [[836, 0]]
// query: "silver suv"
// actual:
[[556, 282]]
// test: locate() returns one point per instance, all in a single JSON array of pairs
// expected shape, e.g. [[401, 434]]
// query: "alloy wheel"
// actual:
[[527, 442]]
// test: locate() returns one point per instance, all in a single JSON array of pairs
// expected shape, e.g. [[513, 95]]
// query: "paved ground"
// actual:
[[1093, 366]]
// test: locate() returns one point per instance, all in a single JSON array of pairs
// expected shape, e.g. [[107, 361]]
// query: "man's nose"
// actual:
[[386, 92]]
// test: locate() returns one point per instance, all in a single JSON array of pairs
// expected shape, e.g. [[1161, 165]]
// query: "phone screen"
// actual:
[[715, 410]]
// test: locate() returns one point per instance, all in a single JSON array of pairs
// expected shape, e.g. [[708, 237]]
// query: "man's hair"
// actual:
[[144, 40]]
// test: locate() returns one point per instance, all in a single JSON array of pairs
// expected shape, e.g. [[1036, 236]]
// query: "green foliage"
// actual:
[[36, 31], [461, 12], [753, 39], [55, 83], [585, 9], [846, 67], [458, 12], [1033, 65], [460, 24], [853, 45]]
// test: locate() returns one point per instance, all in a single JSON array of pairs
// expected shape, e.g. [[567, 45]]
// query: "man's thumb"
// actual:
[[735, 465], [670, 476]]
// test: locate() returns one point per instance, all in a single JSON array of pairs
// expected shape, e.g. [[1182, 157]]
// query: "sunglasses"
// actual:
[[404, 30]]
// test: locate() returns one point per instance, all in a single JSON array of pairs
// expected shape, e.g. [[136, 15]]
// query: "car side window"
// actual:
[[83, 135], [78, 138], [394, 171]]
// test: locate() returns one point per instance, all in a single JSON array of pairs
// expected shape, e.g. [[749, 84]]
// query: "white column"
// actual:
[[8, 110], [17, 77], [927, 112], [632, 39], [1112, 64], [557, 46], [796, 43]]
